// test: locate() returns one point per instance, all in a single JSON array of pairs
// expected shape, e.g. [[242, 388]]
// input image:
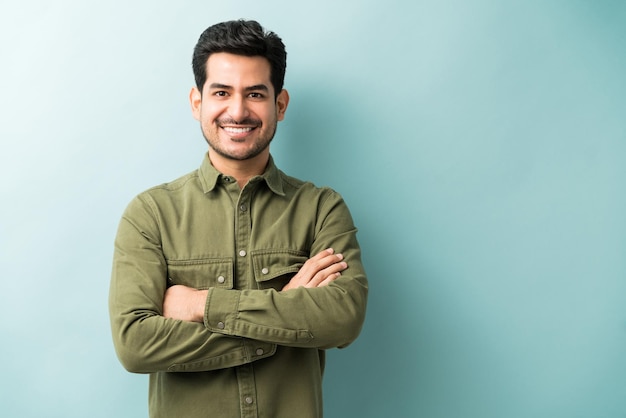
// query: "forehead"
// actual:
[[237, 70]]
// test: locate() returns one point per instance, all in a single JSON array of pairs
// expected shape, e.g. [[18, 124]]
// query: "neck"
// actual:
[[240, 170]]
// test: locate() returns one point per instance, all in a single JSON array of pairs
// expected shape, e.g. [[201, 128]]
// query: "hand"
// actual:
[[184, 303], [318, 271]]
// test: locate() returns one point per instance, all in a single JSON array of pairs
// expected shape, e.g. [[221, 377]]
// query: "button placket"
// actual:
[[243, 225], [247, 390]]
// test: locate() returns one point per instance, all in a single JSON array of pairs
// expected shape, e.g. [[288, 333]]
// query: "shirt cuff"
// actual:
[[221, 310]]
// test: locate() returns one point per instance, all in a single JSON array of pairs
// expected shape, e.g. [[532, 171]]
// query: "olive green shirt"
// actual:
[[260, 351]]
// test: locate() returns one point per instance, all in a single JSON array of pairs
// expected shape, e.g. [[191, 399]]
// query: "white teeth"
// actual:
[[236, 130]]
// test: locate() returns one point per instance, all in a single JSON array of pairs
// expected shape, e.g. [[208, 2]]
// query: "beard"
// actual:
[[212, 137]]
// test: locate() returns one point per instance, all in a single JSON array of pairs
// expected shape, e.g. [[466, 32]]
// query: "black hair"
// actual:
[[240, 37]]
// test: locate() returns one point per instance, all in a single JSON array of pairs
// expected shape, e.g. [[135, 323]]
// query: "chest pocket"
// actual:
[[274, 268], [201, 274]]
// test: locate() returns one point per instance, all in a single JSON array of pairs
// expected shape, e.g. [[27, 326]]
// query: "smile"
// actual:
[[232, 130]]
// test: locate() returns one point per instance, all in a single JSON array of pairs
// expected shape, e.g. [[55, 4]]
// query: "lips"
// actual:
[[236, 131]]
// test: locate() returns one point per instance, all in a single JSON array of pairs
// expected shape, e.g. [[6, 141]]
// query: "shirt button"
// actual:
[[220, 325], [221, 279], [248, 400], [242, 253], [259, 351], [265, 270], [243, 207]]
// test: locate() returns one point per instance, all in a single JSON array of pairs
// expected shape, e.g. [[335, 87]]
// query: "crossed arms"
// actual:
[[157, 327], [188, 304]]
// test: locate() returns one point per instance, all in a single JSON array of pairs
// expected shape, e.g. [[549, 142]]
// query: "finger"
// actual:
[[314, 265], [329, 279], [316, 269], [329, 272], [324, 262], [319, 261], [323, 253]]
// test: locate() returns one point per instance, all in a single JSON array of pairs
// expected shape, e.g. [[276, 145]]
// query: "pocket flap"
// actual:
[[201, 274], [270, 264]]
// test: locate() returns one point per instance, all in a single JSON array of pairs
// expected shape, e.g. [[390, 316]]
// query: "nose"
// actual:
[[237, 108]]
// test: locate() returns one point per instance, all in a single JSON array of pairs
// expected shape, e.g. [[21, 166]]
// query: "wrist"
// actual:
[[200, 305]]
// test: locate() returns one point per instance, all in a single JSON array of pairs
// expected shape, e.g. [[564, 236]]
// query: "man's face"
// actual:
[[238, 110]]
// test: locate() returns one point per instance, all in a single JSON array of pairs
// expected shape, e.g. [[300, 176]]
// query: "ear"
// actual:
[[282, 101], [195, 100]]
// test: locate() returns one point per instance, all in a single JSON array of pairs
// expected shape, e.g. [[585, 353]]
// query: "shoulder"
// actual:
[[182, 182], [310, 193], [189, 183], [293, 184], [169, 192]]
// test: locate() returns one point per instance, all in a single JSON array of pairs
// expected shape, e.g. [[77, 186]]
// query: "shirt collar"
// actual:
[[209, 176]]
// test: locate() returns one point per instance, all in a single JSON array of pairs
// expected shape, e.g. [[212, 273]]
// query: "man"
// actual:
[[229, 283]]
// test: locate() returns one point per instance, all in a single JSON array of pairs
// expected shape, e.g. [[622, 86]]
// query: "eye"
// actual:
[[256, 95], [220, 93]]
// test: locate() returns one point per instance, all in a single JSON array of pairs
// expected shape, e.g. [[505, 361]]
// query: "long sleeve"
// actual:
[[144, 340], [325, 317], [258, 348], [192, 232]]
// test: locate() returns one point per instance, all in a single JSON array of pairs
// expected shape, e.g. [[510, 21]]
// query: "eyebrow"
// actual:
[[256, 87]]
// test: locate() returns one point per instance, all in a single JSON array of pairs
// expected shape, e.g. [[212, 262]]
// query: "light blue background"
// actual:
[[481, 146]]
